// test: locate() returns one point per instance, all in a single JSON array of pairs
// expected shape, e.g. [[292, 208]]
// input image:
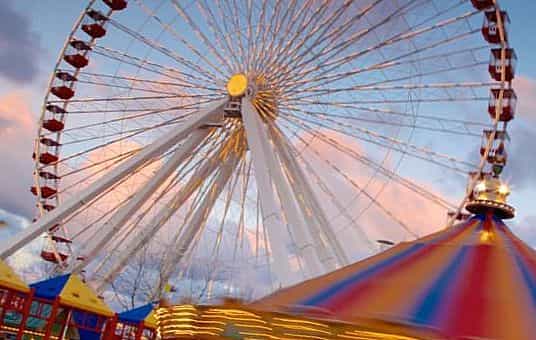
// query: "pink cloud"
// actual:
[[421, 215], [525, 88], [17, 133]]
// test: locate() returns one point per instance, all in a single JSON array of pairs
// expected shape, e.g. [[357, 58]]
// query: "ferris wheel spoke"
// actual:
[[376, 86], [178, 37], [134, 98], [191, 231], [297, 54], [305, 197], [208, 43], [330, 65], [472, 65], [122, 215], [276, 38], [262, 34], [397, 61], [321, 184], [222, 41], [239, 238], [385, 117], [201, 171], [322, 29], [300, 23], [231, 188], [102, 77], [362, 190], [388, 142], [125, 118], [317, 56], [375, 166], [150, 66], [162, 89], [186, 63]]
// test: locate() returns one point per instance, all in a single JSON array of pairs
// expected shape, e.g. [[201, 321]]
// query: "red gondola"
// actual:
[[76, 60], [55, 109], [490, 29], [509, 102], [47, 158], [116, 5], [47, 175], [482, 4], [51, 257], [62, 92], [46, 191], [48, 207], [48, 141], [94, 30], [53, 125], [65, 76], [60, 239], [495, 65], [80, 45]]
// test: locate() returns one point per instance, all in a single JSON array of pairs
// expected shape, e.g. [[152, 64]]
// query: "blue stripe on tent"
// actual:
[[529, 279], [326, 294], [51, 288], [428, 307]]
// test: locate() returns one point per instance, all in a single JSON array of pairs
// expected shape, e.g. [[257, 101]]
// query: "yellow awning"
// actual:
[[9, 279], [77, 294], [150, 320]]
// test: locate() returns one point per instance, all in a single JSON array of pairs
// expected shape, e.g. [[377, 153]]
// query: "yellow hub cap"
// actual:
[[237, 85]]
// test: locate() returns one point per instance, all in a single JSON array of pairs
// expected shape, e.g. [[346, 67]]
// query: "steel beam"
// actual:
[[10, 246]]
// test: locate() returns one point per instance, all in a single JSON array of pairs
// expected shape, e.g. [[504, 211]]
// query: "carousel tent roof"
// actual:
[[137, 315], [9, 279], [474, 279], [72, 292]]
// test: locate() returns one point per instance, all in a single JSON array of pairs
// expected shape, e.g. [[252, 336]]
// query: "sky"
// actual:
[[33, 32]]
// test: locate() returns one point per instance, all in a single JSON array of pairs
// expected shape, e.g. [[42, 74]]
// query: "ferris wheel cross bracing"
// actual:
[[157, 222], [75, 203], [183, 242], [119, 219]]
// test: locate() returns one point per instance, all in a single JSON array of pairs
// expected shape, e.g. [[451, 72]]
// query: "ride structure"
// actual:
[[259, 138]]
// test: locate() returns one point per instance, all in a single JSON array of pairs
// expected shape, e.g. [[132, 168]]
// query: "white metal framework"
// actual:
[[267, 141]]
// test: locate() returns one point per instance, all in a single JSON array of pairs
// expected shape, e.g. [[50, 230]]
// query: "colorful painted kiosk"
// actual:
[[136, 324], [473, 280], [15, 298], [65, 307]]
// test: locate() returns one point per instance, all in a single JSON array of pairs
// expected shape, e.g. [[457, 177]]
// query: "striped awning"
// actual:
[[476, 279]]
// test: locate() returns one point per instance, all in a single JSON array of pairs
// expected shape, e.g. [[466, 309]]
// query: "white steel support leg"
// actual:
[[158, 221], [264, 172], [325, 238], [123, 214], [182, 243], [295, 218], [8, 247]]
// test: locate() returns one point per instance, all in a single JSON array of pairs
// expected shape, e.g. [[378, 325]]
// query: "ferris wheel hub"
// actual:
[[237, 85]]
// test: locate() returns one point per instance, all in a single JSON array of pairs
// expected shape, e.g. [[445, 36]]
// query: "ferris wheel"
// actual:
[[288, 135]]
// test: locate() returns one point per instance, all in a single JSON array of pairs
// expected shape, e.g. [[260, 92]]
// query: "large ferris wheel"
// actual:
[[285, 134]]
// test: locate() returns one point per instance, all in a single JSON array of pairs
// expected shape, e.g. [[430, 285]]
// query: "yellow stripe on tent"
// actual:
[[9, 279], [150, 320], [77, 294]]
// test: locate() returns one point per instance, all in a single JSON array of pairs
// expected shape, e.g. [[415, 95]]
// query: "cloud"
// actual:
[[525, 88], [19, 47], [526, 230], [520, 171], [26, 262], [419, 214], [17, 132]]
